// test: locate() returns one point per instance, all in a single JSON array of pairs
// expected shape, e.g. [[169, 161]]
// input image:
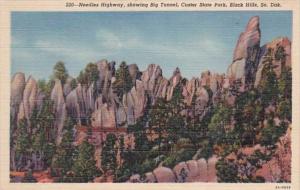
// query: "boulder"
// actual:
[[202, 166], [150, 178], [181, 171], [211, 169], [164, 175], [136, 178], [194, 171]]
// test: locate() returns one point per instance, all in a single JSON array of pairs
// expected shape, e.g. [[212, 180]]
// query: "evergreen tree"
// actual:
[[43, 136], [22, 143], [217, 126], [60, 72], [158, 119], [89, 75], [109, 153], [268, 85], [63, 159], [84, 167], [123, 82]]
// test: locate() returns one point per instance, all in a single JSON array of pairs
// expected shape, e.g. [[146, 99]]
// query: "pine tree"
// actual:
[[63, 159], [60, 72], [84, 167], [89, 75], [158, 118], [22, 143], [123, 82], [109, 153]]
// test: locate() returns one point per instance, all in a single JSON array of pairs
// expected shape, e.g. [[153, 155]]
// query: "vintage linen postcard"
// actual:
[[149, 94]]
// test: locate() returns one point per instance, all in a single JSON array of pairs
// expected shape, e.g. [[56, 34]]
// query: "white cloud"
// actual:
[[108, 40]]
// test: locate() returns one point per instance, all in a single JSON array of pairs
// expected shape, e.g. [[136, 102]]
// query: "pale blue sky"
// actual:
[[192, 41]]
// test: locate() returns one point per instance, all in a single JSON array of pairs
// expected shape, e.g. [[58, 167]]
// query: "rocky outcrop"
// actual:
[[272, 49], [29, 99], [16, 94], [67, 87], [248, 39], [134, 72], [150, 78], [164, 175], [174, 81], [57, 96], [190, 171], [246, 55], [104, 117], [135, 102], [106, 74]]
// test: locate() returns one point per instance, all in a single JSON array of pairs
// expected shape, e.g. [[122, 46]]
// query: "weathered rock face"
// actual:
[[150, 76], [104, 116], [277, 64], [246, 55], [189, 90], [67, 86], [135, 102], [106, 73], [16, 96], [57, 96], [134, 72], [174, 80], [237, 69], [29, 98], [248, 39]]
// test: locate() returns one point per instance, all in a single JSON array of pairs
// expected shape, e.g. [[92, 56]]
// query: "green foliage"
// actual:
[[89, 75], [63, 158], [227, 171], [242, 169], [45, 86], [219, 120], [178, 156], [123, 82], [248, 114], [60, 72], [22, 143], [268, 85], [285, 83], [271, 133], [108, 154], [73, 84], [84, 168]]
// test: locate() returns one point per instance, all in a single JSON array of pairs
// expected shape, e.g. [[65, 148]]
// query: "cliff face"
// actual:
[[106, 110]]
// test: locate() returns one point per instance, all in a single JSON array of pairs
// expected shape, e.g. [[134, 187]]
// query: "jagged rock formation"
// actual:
[[16, 96], [57, 96]]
